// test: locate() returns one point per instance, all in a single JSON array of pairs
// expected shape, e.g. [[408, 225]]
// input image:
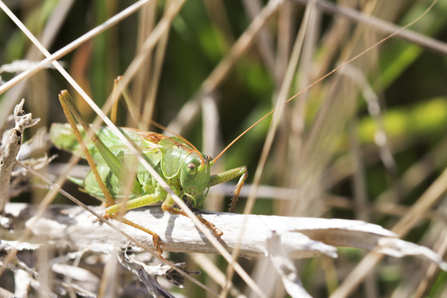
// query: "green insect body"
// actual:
[[120, 174], [174, 160]]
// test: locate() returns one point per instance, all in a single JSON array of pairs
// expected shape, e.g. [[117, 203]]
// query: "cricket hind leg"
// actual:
[[155, 237], [112, 211], [168, 205], [227, 176]]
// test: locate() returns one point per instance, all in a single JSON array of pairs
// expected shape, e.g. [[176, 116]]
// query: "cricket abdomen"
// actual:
[[116, 189]]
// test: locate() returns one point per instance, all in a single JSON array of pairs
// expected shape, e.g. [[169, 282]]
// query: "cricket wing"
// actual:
[[145, 142], [62, 137]]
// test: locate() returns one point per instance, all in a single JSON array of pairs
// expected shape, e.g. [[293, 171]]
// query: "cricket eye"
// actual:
[[192, 168]]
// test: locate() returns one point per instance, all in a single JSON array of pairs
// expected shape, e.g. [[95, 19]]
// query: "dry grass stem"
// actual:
[[366, 143], [222, 70], [380, 25]]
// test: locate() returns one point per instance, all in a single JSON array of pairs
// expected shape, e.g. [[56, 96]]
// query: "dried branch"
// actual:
[[285, 268], [24, 276], [147, 274], [10, 148], [72, 227]]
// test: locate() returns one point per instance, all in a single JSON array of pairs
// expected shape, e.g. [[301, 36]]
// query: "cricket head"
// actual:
[[188, 166], [194, 177]]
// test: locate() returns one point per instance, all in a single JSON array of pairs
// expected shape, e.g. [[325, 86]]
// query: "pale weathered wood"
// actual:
[[74, 228]]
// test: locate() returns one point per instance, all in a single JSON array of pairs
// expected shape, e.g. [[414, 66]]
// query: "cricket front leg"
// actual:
[[168, 205], [112, 212], [227, 176]]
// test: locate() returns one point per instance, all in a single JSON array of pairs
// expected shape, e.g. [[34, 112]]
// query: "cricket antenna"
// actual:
[[248, 129], [328, 74], [177, 135], [268, 114]]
